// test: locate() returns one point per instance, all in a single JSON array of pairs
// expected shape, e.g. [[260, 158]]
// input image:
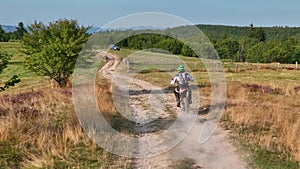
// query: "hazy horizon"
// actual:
[[209, 12]]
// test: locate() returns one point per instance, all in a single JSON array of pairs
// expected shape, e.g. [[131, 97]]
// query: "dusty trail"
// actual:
[[217, 153]]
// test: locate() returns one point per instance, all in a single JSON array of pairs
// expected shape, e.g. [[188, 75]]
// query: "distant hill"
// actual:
[[93, 29], [215, 32], [8, 28]]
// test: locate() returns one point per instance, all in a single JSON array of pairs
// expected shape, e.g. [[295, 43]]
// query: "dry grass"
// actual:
[[106, 105], [103, 92], [40, 129], [269, 119]]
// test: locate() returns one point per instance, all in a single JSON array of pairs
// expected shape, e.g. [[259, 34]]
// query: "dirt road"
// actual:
[[216, 153]]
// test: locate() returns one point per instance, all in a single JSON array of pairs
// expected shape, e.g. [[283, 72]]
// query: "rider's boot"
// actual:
[[178, 104]]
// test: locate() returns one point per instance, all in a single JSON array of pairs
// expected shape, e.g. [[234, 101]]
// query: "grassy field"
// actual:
[[39, 127], [29, 80]]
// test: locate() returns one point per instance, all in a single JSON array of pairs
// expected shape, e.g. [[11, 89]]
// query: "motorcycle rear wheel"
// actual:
[[186, 104]]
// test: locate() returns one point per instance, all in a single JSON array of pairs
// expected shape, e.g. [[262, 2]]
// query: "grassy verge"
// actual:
[[265, 117], [259, 156], [108, 109], [41, 130], [263, 158]]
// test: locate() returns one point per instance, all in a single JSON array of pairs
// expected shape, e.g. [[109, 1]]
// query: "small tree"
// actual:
[[20, 31], [4, 60], [52, 50]]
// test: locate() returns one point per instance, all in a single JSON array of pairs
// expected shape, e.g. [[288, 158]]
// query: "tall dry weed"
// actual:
[[271, 120]]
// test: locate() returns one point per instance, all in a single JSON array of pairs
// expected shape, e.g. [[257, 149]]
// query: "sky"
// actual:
[[101, 12]]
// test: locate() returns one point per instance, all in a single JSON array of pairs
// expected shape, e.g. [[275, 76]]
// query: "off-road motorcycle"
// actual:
[[183, 96]]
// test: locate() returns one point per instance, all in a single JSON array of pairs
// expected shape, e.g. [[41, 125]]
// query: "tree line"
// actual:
[[240, 44]]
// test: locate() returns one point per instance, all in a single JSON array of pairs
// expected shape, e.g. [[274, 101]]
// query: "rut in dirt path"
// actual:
[[152, 118]]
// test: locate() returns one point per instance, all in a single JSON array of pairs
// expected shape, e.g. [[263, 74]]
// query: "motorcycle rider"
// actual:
[[182, 78]]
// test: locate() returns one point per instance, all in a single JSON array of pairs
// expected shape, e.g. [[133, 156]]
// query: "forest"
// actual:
[[232, 43]]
